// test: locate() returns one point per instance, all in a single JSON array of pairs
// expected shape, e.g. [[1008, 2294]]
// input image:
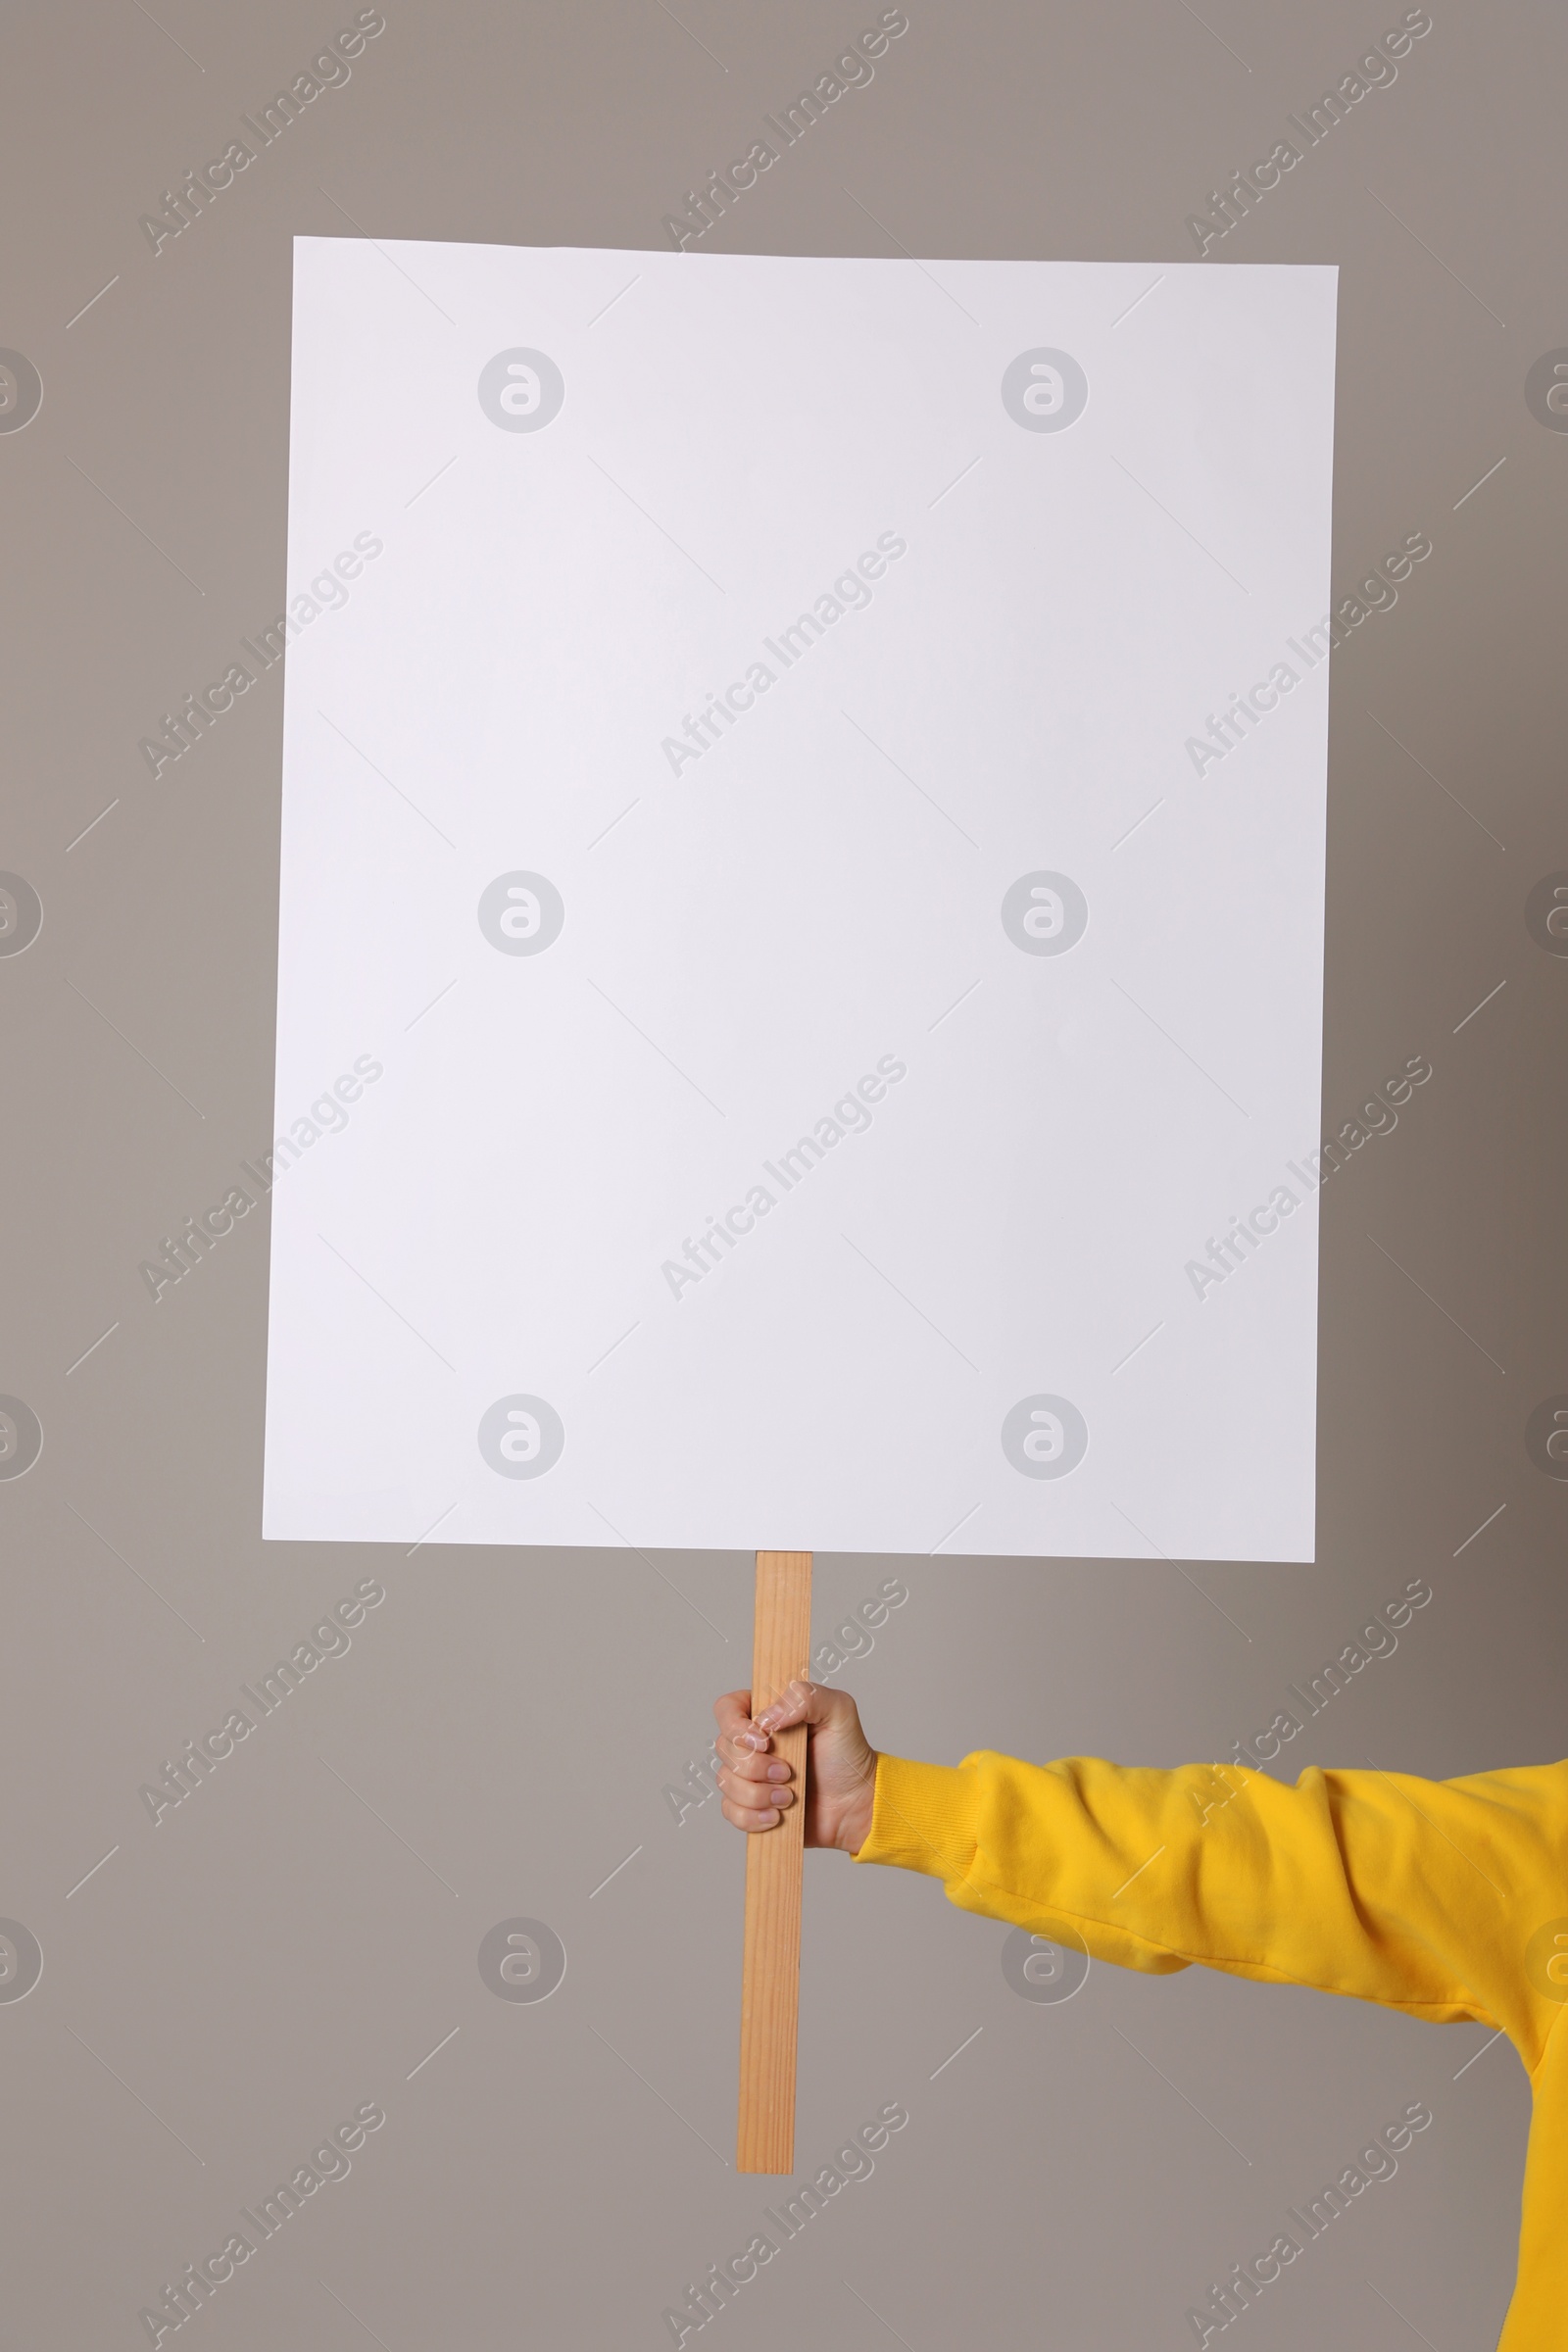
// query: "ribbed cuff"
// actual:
[[923, 1817]]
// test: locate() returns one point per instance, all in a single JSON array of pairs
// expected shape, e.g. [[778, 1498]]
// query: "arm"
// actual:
[[1419, 1895]]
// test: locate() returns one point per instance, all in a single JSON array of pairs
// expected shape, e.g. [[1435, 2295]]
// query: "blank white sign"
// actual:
[[800, 958]]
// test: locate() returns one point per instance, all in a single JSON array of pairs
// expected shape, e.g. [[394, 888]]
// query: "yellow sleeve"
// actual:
[[1421, 1894]]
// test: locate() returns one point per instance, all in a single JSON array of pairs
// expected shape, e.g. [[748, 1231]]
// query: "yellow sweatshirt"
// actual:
[[1448, 1899]]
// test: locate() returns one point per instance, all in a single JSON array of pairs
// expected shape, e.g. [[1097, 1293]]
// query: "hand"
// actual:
[[841, 1764]]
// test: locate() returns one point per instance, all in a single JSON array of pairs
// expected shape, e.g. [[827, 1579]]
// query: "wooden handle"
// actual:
[[770, 1969]]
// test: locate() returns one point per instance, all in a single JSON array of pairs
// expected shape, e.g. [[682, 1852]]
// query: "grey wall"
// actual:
[[229, 1985]]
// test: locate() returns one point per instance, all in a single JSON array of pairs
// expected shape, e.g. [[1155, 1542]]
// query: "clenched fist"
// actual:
[[756, 1783]]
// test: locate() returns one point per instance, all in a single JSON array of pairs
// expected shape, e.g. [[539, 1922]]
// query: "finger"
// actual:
[[751, 1766], [747, 1820], [733, 1712], [742, 1746], [751, 1791], [743, 1792], [737, 1735]]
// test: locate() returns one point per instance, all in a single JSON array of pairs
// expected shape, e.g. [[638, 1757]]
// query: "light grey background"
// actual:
[[295, 1939]]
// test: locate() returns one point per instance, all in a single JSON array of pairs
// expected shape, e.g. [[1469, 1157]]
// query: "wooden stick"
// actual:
[[770, 1971]]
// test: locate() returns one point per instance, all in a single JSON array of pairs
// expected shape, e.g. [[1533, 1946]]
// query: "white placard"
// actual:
[[801, 961]]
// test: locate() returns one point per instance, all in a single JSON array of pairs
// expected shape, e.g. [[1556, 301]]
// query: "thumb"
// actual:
[[802, 1703]]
